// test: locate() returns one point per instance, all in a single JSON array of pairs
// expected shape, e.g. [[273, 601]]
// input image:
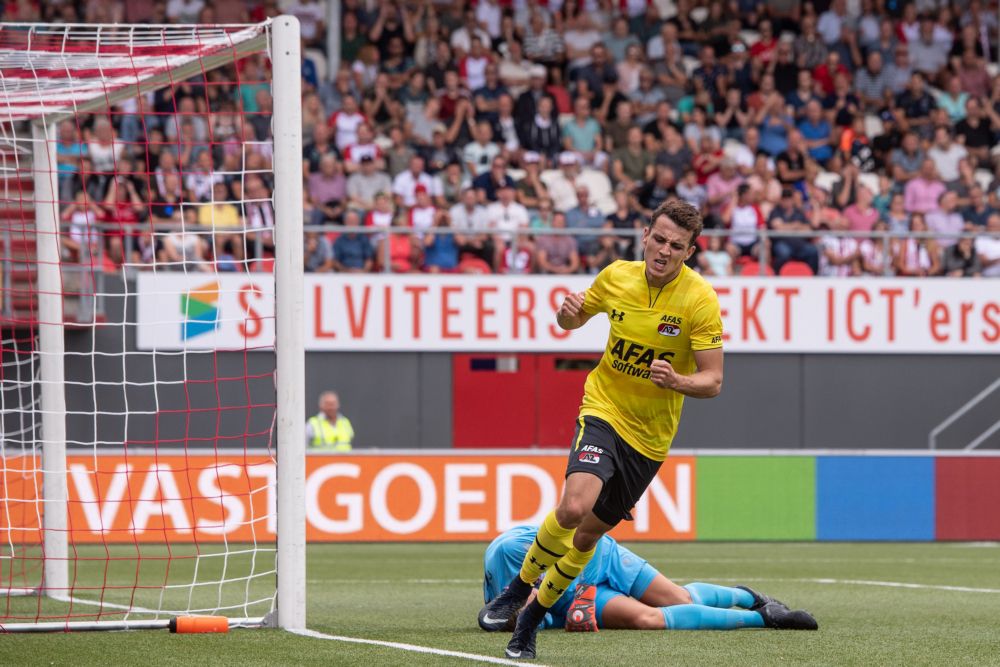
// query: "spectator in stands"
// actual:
[[515, 72], [975, 130], [978, 211], [404, 186], [402, 250], [916, 105], [81, 242], [352, 252], [582, 134], [487, 97], [505, 128], [961, 260], [362, 186], [816, 135], [927, 54], [872, 82], [923, 191], [258, 212], [896, 218], [345, 123], [318, 255], [788, 216], [917, 256], [541, 133], [946, 154], [721, 190], [326, 191], [441, 249], [329, 430], [487, 185], [423, 214], [585, 216], [907, 160], [479, 154], [365, 146], [505, 216], [945, 219], [874, 253], [988, 247], [530, 189], [69, 154], [557, 254], [861, 216], [743, 218], [675, 153], [632, 164]]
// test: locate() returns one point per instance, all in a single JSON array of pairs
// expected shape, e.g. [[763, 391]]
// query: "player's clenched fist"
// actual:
[[662, 374], [571, 315], [572, 306]]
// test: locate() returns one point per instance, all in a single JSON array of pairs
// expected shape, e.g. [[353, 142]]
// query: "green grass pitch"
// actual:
[[428, 595]]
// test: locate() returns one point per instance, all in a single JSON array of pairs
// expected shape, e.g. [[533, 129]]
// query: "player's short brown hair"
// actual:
[[682, 214]]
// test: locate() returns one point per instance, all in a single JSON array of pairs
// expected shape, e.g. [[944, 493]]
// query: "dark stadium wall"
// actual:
[[406, 400]]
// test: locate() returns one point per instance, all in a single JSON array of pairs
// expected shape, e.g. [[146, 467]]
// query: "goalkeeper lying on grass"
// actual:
[[619, 590]]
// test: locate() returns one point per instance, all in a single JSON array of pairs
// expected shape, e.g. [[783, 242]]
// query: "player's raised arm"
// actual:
[[571, 314], [706, 382]]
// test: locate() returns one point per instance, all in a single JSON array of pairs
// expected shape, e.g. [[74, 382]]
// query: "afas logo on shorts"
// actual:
[[589, 457], [592, 448]]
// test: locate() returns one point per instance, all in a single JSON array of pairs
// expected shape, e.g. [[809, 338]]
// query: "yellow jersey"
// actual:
[[647, 323]]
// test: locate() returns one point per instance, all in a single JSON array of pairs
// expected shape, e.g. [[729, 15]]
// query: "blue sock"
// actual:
[[723, 597], [700, 617]]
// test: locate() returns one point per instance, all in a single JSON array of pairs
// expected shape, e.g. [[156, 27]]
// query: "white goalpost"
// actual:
[[150, 469]]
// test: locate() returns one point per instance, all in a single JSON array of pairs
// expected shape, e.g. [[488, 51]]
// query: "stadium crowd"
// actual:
[[470, 126]]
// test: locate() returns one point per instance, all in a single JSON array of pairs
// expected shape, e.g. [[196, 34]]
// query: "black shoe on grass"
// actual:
[[522, 645], [780, 617], [500, 613], [759, 599]]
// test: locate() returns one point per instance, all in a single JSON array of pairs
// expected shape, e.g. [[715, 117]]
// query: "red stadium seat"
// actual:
[[751, 269], [795, 268]]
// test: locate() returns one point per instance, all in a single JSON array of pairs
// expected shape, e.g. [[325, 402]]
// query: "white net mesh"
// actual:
[[162, 144]]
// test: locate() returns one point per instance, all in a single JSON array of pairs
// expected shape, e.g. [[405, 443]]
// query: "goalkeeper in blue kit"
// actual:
[[620, 590]]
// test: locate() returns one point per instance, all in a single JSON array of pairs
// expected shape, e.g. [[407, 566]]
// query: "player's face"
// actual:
[[666, 247]]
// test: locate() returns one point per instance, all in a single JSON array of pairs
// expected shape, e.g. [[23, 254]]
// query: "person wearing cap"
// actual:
[[527, 103], [364, 184], [530, 189]]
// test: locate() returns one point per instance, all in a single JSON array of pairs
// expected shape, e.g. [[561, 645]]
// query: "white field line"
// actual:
[[413, 648], [901, 584], [863, 582], [842, 582]]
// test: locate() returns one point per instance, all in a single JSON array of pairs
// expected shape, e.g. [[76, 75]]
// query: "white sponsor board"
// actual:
[[456, 313]]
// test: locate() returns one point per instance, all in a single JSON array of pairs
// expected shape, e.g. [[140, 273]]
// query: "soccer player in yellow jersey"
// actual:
[[665, 344]]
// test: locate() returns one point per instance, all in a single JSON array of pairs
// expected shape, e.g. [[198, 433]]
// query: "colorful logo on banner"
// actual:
[[200, 308]]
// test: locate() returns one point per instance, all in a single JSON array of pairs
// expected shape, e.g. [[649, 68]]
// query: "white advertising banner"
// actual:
[[459, 313]]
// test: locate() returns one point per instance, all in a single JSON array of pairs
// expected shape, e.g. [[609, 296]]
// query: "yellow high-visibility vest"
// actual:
[[334, 437]]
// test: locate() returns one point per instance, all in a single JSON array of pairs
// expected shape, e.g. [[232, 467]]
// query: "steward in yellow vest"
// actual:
[[329, 430]]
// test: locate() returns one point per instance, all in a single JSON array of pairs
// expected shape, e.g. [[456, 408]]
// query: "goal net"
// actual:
[[150, 226]]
